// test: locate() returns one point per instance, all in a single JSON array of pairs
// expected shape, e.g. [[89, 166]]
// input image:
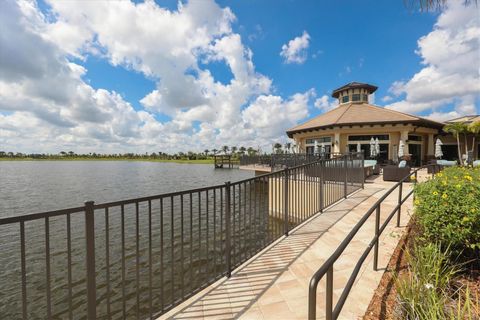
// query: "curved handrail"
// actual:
[[327, 267]]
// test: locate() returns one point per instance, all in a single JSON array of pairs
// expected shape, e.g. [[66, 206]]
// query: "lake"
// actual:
[[131, 267], [36, 186]]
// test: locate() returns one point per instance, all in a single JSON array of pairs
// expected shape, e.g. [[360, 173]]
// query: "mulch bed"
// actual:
[[384, 304]]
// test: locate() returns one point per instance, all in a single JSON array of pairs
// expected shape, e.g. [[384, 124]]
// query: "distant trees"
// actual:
[[154, 155]]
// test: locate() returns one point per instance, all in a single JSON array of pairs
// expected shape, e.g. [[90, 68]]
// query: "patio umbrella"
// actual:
[[315, 148], [322, 148], [377, 147], [372, 148], [359, 147], [401, 146], [438, 149]]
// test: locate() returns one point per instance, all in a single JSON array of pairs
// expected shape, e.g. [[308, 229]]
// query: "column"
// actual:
[[336, 143], [404, 138], [430, 145]]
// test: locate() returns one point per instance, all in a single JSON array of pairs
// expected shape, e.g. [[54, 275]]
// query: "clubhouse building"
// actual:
[[355, 121]]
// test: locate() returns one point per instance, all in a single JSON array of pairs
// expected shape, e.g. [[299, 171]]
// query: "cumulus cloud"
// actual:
[[295, 51], [325, 103], [451, 58], [46, 104]]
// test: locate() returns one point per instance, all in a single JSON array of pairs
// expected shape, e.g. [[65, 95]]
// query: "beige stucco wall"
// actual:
[[396, 132]]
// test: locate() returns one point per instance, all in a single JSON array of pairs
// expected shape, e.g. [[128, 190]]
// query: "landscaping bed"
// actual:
[[434, 272]]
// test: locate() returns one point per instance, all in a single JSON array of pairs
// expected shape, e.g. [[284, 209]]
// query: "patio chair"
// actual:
[[396, 173]]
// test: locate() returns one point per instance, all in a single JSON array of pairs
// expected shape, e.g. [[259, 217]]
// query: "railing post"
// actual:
[[285, 200], [415, 183], [329, 294], [321, 188], [400, 187], [377, 227], [90, 260], [346, 177], [363, 171], [228, 236]]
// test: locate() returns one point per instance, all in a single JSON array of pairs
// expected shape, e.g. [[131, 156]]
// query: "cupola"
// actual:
[[354, 92]]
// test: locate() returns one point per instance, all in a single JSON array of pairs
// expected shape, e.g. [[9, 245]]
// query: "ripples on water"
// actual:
[[28, 187]]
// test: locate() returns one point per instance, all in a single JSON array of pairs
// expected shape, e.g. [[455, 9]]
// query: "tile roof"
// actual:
[[360, 113], [467, 119]]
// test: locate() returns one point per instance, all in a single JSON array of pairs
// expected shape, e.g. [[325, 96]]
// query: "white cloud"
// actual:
[[296, 49], [451, 58], [47, 106], [325, 103]]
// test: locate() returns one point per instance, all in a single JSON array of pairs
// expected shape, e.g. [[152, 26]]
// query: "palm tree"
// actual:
[[225, 149], [234, 149], [242, 150], [456, 128], [250, 151], [214, 151], [474, 128], [431, 5], [278, 147], [206, 151]]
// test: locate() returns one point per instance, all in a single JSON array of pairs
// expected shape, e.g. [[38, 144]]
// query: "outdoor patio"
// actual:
[[274, 283]]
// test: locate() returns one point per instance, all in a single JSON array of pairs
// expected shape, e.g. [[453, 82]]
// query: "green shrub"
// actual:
[[447, 208]]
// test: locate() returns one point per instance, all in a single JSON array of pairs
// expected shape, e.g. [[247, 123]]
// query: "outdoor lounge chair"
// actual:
[[396, 173]]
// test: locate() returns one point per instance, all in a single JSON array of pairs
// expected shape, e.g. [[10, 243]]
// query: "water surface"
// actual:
[[35, 186]]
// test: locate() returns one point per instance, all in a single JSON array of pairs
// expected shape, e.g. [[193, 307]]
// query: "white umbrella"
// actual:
[[438, 149], [372, 148], [377, 147], [315, 148], [401, 146], [322, 148], [359, 147]]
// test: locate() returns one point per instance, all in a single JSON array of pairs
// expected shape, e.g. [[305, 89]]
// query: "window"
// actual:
[[344, 99], [365, 97], [415, 138], [369, 137], [319, 140], [356, 97], [365, 148]]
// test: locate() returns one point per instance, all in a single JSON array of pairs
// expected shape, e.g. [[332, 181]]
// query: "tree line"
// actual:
[[190, 155]]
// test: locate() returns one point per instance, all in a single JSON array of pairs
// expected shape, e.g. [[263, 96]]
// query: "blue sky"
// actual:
[[351, 41], [175, 76]]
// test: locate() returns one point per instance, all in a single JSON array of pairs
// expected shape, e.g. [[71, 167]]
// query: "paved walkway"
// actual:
[[274, 283]]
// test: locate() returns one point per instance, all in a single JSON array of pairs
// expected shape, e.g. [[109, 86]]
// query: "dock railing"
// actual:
[[138, 258], [331, 311]]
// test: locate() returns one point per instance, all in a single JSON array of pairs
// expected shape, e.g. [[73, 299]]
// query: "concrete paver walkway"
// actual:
[[274, 283]]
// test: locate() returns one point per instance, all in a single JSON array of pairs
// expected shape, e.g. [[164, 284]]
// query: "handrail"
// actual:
[[327, 267], [211, 216]]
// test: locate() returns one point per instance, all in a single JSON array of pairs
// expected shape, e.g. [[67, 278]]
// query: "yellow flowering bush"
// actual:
[[448, 208]]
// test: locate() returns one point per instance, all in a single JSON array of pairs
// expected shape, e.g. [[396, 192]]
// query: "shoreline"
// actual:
[[204, 161]]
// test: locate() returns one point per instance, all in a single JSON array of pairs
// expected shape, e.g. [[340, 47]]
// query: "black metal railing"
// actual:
[[286, 160], [332, 312], [138, 258]]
